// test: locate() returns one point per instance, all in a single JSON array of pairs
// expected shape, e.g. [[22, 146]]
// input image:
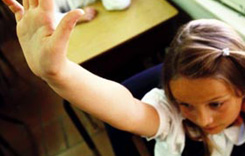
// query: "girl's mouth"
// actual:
[[210, 129]]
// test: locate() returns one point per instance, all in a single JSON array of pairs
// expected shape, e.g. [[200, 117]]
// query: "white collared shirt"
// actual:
[[170, 137]]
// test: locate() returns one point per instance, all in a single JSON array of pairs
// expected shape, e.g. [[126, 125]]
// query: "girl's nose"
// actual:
[[204, 119]]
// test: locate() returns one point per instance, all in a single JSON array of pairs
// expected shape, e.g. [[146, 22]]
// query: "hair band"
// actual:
[[225, 52]]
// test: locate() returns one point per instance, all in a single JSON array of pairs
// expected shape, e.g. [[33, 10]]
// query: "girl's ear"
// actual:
[[243, 105], [241, 118]]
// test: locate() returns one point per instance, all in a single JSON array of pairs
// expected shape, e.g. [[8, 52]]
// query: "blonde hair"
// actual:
[[197, 52]]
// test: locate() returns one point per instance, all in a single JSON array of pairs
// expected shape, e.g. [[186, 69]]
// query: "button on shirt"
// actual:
[[170, 137]]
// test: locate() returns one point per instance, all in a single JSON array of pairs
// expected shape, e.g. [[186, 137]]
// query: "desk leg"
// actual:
[[80, 128]]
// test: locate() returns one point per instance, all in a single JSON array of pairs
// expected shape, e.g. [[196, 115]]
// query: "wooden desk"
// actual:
[[110, 29]]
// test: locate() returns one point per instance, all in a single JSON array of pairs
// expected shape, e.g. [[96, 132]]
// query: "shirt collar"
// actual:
[[236, 134]]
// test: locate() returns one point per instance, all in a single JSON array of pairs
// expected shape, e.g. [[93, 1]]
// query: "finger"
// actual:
[[33, 3], [25, 4], [47, 5], [65, 27], [16, 8], [90, 14], [18, 13]]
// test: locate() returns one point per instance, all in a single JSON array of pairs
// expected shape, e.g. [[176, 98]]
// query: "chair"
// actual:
[[138, 85], [5, 85], [7, 22], [6, 148]]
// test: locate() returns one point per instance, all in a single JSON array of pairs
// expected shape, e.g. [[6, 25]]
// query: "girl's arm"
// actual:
[[45, 47]]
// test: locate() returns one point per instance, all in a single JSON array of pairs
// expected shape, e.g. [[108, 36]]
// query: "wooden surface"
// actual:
[[110, 29]]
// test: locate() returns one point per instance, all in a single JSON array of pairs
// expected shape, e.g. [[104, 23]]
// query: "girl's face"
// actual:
[[209, 103]]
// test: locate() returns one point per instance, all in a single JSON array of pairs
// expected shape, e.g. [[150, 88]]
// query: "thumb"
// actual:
[[65, 27]]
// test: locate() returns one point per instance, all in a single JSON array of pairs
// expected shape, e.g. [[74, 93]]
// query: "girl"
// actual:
[[203, 82]]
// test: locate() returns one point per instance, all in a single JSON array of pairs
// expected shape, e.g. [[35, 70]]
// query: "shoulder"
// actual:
[[157, 98], [170, 136], [154, 95]]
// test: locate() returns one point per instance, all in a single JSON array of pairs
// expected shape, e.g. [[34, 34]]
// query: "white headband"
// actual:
[[225, 52]]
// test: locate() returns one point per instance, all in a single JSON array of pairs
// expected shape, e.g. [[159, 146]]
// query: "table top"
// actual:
[[112, 28]]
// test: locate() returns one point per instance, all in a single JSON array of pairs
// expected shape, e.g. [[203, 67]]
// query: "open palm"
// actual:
[[44, 46]]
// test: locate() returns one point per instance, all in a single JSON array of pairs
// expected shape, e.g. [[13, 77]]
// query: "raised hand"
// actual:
[[44, 46]]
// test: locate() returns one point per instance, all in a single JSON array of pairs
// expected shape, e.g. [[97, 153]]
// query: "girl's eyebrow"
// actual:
[[217, 98], [211, 100], [180, 102]]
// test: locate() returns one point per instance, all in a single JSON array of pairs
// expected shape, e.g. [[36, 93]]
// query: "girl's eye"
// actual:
[[186, 105], [215, 105]]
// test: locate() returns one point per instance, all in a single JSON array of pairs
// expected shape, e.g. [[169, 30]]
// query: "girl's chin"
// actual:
[[213, 130]]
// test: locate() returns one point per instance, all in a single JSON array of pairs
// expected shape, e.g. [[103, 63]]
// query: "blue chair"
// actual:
[[138, 85]]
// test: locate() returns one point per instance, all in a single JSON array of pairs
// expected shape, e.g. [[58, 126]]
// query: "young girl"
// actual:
[[203, 82]]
